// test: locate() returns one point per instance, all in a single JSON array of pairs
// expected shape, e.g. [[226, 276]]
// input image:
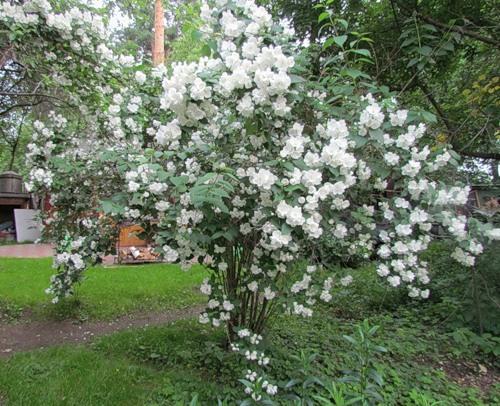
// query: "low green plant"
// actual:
[[422, 399], [364, 379], [301, 386], [336, 395], [468, 342], [465, 297], [9, 311]]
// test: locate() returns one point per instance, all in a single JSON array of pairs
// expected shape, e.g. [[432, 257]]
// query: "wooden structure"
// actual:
[[485, 198], [130, 249], [12, 196]]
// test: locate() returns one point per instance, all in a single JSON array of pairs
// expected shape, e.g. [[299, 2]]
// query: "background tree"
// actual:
[[441, 55], [32, 82]]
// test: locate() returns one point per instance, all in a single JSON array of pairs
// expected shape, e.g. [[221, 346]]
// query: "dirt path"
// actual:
[[29, 336]]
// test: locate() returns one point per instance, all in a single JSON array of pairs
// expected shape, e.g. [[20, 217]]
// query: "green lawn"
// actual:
[[106, 291]]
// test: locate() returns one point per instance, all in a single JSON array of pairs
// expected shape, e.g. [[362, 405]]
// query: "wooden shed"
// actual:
[[13, 195]]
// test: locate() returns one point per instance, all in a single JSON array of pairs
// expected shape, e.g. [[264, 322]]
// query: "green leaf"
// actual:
[[328, 43], [408, 41], [364, 52], [180, 182], [412, 62], [430, 27], [340, 40], [109, 207], [354, 73], [194, 401], [350, 339], [429, 117], [343, 23], [425, 50], [206, 50], [291, 383], [297, 79], [359, 140], [323, 16], [196, 35]]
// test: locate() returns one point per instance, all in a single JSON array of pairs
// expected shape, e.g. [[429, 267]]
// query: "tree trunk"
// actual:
[[159, 35]]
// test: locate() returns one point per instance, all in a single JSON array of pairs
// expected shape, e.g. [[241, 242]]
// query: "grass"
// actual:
[[75, 376], [111, 372], [106, 292], [168, 365]]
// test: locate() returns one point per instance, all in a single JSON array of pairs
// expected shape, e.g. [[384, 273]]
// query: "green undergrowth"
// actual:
[[171, 364]]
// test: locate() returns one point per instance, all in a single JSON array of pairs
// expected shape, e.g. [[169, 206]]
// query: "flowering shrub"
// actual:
[[234, 162]]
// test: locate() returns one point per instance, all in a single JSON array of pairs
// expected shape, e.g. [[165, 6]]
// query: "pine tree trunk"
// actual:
[[159, 35]]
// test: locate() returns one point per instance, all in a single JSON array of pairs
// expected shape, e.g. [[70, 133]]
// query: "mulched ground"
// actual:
[[42, 334]]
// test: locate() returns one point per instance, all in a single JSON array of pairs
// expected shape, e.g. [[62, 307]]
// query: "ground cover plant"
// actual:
[[174, 364], [416, 356], [109, 292]]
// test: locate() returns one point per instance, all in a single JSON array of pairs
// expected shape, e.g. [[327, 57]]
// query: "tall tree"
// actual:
[[159, 34], [440, 54]]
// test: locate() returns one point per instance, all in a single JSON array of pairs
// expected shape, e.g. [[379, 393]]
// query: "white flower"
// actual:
[[493, 234], [203, 318], [133, 186], [140, 77], [162, 205], [168, 133], [391, 158], [311, 268], [295, 143], [403, 229], [77, 261], [383, 270], [394, 280], [325, 296], [462, 257], [231, 25], [243, 333], [227, 305], [253, 286], [271, 390], [205, 287], [346, 281], [372, 116], [262, 178], [170, 254], [157, 188], [401, 203], [245, 106], [312, 177], [399, 117], [411, 169], [278, 239], [213, 304], [269, 294]]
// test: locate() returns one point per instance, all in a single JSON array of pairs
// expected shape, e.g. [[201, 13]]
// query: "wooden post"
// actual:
[[159, 35]]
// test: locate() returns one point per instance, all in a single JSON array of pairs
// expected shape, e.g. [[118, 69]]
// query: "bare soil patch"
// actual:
[[473, 374]]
